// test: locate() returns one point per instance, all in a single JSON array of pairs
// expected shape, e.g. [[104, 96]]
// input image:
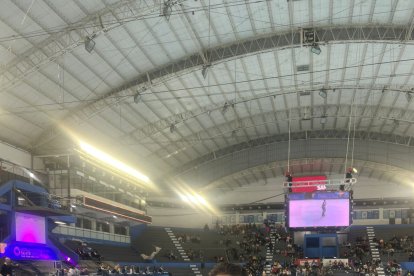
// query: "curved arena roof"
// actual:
[[213, 91]]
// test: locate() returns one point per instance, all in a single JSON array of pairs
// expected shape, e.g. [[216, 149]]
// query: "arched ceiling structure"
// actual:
[[176, 86]]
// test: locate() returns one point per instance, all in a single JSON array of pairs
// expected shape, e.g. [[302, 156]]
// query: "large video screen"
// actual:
[[308, 184], [30, 228], [318, 209]]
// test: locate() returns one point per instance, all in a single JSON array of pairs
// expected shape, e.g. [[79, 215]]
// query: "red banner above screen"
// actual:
[[308, 184]]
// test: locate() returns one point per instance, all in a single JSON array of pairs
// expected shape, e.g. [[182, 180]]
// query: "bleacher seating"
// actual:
[[386, 233], [209, 245]]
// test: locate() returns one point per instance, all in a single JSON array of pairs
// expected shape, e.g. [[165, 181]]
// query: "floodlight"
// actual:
[[316, 49], [323, 120], [137, 97], [323, 93], [204, 70], [89, 44]]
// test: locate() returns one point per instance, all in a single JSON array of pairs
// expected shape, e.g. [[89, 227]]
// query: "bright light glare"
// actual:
[[106, 158], [184, 198], [354, 170], [195, 199], [31, 174], [201, 199], [192, 199]]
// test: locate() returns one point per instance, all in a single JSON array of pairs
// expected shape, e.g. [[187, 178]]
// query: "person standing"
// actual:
[[7, 267], [323, 207]]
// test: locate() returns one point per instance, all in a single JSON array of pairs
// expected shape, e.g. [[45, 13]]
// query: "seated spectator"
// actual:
[[171, 256], [7, 267]]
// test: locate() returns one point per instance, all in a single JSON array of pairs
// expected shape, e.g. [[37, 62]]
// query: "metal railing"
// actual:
[[90, 234]]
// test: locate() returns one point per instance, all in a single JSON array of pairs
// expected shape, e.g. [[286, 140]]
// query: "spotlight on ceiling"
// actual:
[[316, 49], [89, 44], [408, 96], [323, 93], [172, 128], [137, 97]]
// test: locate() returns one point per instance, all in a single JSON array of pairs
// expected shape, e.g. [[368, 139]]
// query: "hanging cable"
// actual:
[[355, 110], [353, 140], [349, 131], [288, 161]]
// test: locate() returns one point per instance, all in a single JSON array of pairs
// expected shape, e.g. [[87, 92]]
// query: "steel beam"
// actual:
[[288, 39]]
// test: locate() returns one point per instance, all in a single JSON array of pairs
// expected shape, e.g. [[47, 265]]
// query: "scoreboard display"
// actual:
[[318, 209], [308, 184]]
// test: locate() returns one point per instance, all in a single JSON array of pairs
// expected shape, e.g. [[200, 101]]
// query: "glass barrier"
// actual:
[[90, 234]]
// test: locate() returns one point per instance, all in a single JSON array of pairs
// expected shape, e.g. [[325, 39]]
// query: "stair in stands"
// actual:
[[269, 253], [180, 249], [375, 254], [196, 270], [177, 244]]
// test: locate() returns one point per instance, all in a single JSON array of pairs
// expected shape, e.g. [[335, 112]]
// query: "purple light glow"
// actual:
[[309, 213], [30, 228]]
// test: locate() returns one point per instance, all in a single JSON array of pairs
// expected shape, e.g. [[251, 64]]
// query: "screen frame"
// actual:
[[316, 228], [17, 236]]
